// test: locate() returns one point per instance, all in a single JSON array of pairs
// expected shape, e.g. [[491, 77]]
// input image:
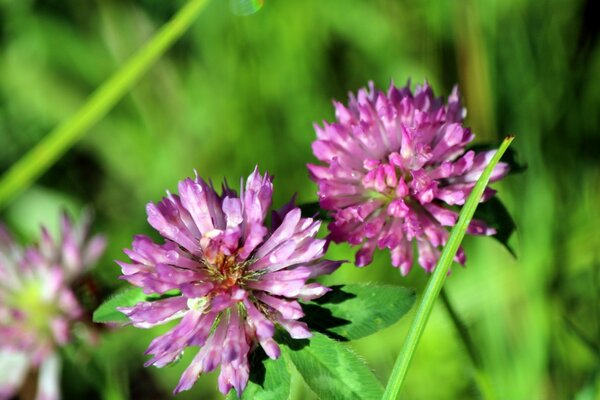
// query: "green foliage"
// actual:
[[269, 379], [313, 210], [57, 142], [108, 313], [347, 312], [330, 369], [237, 91], [354, 311], [245, 7], [496, 216]]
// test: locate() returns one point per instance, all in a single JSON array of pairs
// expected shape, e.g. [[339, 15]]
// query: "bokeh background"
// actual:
[[239, 91]]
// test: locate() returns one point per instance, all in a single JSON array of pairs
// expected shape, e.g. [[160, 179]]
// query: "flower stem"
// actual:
[[65, 135], [438, 277]]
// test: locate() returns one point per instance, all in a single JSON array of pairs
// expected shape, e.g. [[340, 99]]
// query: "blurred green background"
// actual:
[[237, 91]]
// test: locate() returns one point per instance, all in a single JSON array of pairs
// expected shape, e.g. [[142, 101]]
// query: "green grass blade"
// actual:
[[438, 277], [64, 136]]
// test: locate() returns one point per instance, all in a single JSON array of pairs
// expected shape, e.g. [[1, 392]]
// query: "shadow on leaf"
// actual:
[[284, 338], [322, 319], [257, 366]]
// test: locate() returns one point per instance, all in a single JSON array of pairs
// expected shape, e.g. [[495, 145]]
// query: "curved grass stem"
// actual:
[[64, 136], [438, 277]]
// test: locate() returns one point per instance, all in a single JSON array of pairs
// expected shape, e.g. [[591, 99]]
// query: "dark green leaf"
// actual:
[[495, 215], [354, 311], [269, 379], [330, 369], [314, 210], [107, 312]]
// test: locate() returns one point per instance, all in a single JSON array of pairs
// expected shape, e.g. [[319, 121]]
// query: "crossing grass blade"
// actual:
[[438, 277], [41, 157]]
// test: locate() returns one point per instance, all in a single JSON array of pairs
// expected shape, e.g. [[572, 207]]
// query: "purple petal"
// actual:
[[149, 314], [257, 196], [283, 233], [262, 326], [312, 291], [289, 288], [271, 348], [195, 197], [288, 309], [296, 329], [255, 234], [94, 250], [194, 326], [164, 218], [206, 360], [365, 255]]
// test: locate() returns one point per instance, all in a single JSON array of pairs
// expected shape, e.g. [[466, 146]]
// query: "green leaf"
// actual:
[[314, 210], [269, 379], [107, 312], [330, 369], [496, 216], [354, 311]]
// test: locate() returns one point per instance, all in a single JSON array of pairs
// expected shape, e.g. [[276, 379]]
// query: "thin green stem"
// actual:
[[438, 277], [64, 136], [462, 330], [589, 343]]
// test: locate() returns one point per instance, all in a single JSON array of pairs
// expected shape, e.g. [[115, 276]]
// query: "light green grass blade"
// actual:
[[438, 277], [33, 164]]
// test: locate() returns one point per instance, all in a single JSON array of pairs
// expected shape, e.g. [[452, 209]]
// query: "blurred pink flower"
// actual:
[[37, 306], [394, 163]]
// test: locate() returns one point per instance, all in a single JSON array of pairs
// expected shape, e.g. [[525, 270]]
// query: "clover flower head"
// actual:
[[37, 306], [236, 279], [393, 165]]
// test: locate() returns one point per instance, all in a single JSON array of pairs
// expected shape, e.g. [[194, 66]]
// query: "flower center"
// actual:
[[197, 303], [387, 179], [37, 312], [227, 271]]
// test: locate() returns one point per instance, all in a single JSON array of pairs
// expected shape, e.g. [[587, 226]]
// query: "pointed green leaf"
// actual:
[[496, 216], [330, 369], [269, 379], [354, 311], [107, 312], [314, 210]]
